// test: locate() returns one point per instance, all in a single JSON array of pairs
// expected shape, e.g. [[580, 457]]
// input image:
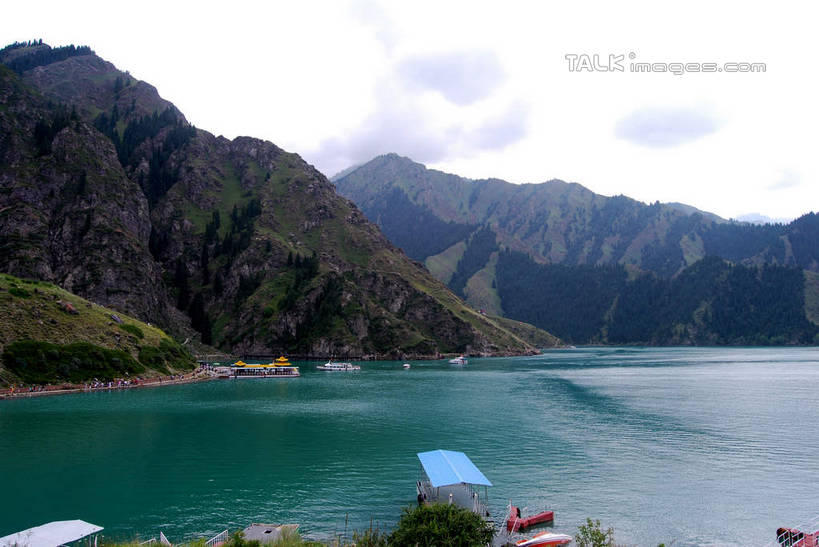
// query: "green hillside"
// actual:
[[48, 334]]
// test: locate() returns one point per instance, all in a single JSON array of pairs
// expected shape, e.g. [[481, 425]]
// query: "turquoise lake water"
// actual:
[[700, 446]]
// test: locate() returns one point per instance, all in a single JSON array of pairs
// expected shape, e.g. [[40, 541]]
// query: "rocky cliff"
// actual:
[[107, 190]]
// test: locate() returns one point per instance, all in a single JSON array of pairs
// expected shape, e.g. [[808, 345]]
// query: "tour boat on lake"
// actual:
[[460, 360], [329, 365], [280, 368]]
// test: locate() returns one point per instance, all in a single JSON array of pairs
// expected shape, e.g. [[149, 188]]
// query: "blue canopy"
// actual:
[[445, 467]]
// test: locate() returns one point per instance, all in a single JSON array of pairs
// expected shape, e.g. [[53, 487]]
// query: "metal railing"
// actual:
[[218, 539]]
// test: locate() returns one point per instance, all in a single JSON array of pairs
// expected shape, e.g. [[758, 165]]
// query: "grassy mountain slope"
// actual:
[[590, 268], [246, 243], [42, 312]]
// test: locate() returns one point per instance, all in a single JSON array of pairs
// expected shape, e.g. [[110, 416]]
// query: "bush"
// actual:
[[42, 362], [168, 354], [591, 535], [132, 329], [371, 537], [288, 538], [238, 540], [441, 525], [20, 293]]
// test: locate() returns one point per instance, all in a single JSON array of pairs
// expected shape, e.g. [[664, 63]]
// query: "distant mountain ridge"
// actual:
[[107, 190], [474, 234]]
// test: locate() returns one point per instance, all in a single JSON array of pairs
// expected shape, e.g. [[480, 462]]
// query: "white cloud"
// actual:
[[787, 179], [462, 77], [483, 89], [661, 127]]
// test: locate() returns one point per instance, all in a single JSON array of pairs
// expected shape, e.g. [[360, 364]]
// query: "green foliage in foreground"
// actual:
[[42, 362], [591, 535], [441, 525]]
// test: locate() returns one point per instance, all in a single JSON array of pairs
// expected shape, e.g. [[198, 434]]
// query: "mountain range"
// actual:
[[597, 269], [108, 191]]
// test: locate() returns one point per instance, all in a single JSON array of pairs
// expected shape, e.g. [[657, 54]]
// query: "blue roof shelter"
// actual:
[[446, 467], [450, 477]]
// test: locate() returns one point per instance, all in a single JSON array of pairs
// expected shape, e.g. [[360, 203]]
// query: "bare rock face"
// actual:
[[70, 215]]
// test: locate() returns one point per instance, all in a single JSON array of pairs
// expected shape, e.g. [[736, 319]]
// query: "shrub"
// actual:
[[132, 329], [42, 362], [20, 293], [168, 354], [441, 525], [591, 535], [238, 540], [371, 537]]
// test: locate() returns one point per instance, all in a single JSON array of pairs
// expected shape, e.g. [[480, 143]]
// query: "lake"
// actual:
[[700, 446]]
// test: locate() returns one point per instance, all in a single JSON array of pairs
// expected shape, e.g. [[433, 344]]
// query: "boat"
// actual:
[[460, 360], [329, 365], [545, 538], [406, 365], [515, 522], [280, 368], [791, 537]]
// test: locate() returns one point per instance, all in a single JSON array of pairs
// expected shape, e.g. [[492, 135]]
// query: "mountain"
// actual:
[[49, 335], [106, 190], [569, 260], [758, 218]]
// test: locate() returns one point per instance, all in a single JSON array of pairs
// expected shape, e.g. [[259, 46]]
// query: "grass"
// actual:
[[45, 316], [479, 291], [444, 264], [538, 338], [132, 329], [231, 194]]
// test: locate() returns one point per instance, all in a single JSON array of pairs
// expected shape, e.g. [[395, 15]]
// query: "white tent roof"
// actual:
[[51, 535]]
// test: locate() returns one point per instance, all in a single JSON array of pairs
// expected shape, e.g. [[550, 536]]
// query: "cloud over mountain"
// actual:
[[666, 127], [462, 77]]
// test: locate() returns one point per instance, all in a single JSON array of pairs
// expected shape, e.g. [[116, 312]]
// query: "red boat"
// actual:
[[515, 522], [790, 537]]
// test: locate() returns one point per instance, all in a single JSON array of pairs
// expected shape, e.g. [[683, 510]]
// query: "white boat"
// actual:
[[329, 365], [545, 538], [406, 365], [460, 360]]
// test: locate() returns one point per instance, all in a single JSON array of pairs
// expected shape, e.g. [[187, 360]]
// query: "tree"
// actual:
[[203, 263], [441, 525], [181, 283], [590, 535]]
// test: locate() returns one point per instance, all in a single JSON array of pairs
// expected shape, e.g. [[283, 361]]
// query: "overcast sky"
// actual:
[[486, 90]]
